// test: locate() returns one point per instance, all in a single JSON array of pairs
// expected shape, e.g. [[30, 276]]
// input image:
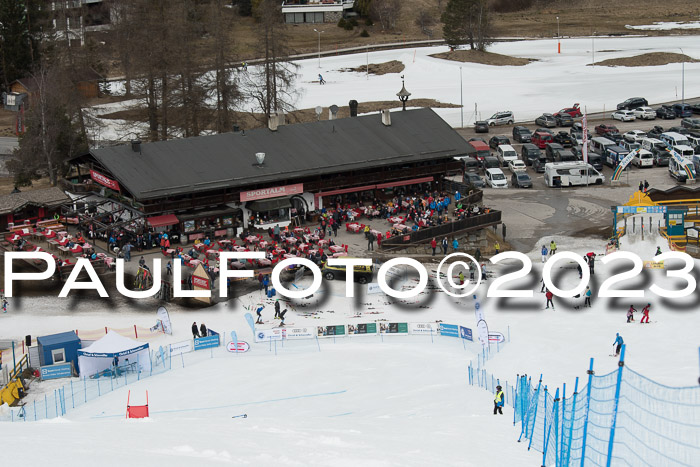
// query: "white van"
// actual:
[[686, 151], [598, 144], [643, 158], [672, 138], [652, 143], [677, 170], [563, 174], [495, 178], [506, 153]]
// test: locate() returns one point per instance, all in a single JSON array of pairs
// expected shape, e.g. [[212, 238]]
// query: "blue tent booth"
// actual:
[[59, 348]]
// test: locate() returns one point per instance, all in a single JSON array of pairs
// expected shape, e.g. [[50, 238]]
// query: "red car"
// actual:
[[574, 111], [540, 139], [604, 129]]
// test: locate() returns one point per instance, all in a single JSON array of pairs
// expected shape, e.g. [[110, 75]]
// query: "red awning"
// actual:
[[162, 221], [345, 190], [406, 182]]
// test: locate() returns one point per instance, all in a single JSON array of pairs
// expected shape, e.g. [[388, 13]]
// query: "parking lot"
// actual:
[[573, 211]]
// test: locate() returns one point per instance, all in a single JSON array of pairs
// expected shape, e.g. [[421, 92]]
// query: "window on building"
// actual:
[[58, 355]]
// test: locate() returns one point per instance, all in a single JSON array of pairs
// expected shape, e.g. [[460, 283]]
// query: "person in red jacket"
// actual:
[[433, 245], [645, 314], [549, 296]]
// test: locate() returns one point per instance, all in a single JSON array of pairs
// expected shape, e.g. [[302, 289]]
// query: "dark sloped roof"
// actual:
[[45, 197], [227, 160]]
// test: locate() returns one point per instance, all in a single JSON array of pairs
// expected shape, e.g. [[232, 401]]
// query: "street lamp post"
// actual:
[[319, 45], [682, 77], [558, 38], [403, 95], [593, 48]]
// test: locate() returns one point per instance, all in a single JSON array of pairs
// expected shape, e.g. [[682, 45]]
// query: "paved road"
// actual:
[[531, 214]]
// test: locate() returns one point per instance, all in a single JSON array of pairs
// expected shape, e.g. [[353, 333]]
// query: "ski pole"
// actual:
[[245, 415]]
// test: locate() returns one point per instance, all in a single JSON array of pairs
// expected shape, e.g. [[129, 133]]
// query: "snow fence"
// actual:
[[620, 418]]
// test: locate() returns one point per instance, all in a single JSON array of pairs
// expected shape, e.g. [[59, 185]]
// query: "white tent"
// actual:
[[100, 355]]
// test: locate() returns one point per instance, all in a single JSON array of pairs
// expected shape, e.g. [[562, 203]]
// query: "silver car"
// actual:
[[501, 118]]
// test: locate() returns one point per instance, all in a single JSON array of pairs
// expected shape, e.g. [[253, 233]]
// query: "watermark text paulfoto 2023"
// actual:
[[386, 272]]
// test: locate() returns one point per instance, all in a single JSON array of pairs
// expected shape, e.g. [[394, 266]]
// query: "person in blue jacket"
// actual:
[[455, 244], [545, 252], [618, 342], [498, 401]]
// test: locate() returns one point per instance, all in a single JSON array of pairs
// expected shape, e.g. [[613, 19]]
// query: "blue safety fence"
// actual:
[[79, 391], [619, 418]]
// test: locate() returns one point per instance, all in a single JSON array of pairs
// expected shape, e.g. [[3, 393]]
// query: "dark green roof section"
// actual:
[[228, 160]]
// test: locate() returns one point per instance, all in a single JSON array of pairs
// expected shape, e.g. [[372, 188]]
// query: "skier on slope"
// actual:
[[498, 401], [461, 278], [645, 314], [544, 253], [282, 313], [277, 308], [630, 313], [658, 251], [549, 296], [618, 343], [587, 301], [259, 313]]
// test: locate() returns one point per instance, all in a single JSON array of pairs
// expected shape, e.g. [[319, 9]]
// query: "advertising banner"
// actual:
[[654, 264], [449, 330], [330, 331], [483, 332], [362, 328], [423, 328], [200, 281], [105, 181], [265, 335], [206, 342], [273, 192], [180, 347], [164, 319], [393, 328], [301, 333], [373, 288], [466, 333], [60, 370], [238, 347], [496, 337]]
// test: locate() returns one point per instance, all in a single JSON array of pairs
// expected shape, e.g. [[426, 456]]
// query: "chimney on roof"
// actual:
[[273, 122], [260, 158], [353, 108], [332, 112], [386, 117], [281, 118], [136, 145]]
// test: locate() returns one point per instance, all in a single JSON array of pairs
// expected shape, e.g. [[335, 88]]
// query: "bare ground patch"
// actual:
[[650, 59], [247, 120], [484, 58], [394, 66]]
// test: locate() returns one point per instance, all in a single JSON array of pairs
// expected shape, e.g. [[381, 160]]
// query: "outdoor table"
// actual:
[[195, 262], [395, 220], [303, 246], [170, 251], [240, 248], [339, 254], [237, 265], [323, 242], [299, 230], [354, 227], [399, 227], [336, 248], [224, 241], [108, 260], [64, 250], [186, 257], [376, 232], [264, 262], [263, 244], [287, 256], [313, 252], [53, 244], [279, 251], [290, 240], [252, 239]]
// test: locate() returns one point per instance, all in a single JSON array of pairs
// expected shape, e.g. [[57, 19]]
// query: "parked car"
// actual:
[[624, 116], [678, 129], [538, 164], [634, 135], [540, 139], [522, 134], [495, 178], [630, 145], [480, 126], [632, 102], [497, 140], [682, 110], [490, 162], [617, 137], [643, 158], [666, 112], [478, 139], [545, 130], [551, 149], [546, 120], [574, 111], [471, 164], [564, 139], [362, 274], [695, 108], [520, 180], [605, 130], [501, 118], [596, 160], [529, 153], [661, 158], [655, 132], [645, 113], [474, 179], [505, 154], [563, 119], [517, 165], [691, 123]]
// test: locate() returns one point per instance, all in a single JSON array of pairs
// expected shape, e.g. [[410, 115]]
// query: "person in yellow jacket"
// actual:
[[552, 248], [498, 401], [497, 247]]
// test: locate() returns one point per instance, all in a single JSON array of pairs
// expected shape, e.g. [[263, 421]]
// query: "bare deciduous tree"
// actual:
[[386, 12]]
